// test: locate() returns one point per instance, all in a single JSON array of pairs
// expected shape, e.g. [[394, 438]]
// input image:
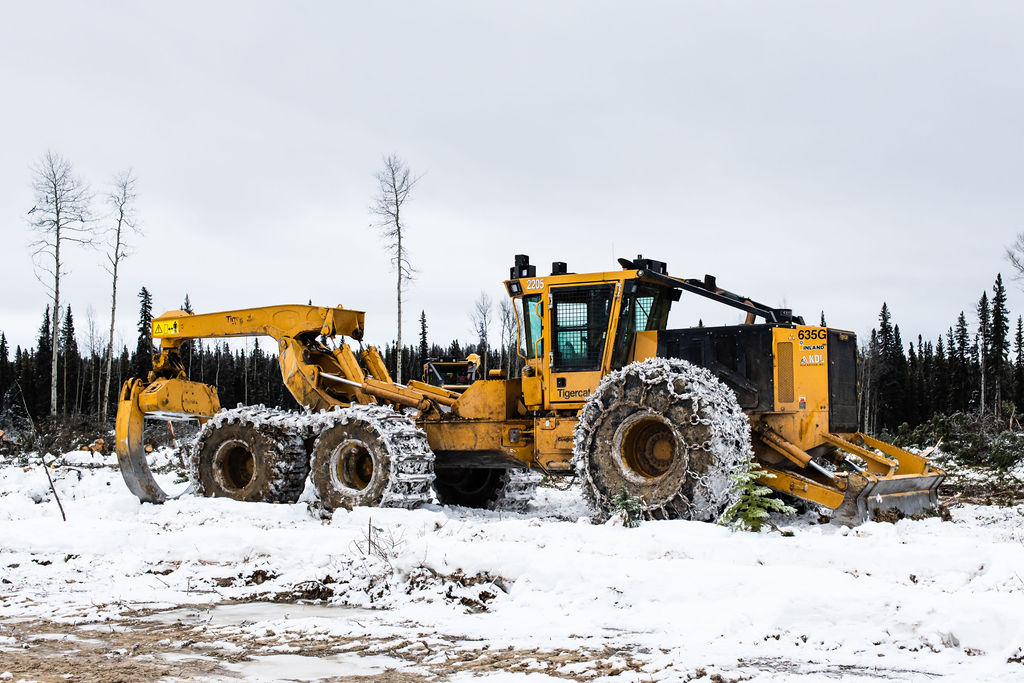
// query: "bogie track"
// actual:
[[259, 454]]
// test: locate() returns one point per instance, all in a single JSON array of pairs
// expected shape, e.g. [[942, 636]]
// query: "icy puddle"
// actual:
[[303, 668], [248, 613]]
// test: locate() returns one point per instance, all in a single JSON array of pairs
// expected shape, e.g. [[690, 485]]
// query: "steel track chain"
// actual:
[[411, 478], [280, 426]]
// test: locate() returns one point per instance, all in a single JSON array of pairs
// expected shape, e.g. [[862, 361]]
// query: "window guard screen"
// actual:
[[579, 321]]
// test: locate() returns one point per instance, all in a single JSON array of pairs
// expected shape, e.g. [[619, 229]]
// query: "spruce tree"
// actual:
[[227, 385], [187, 349], [70, 364], [755, 502], [38, 400], [940, 379], [424, 348], [914, 394], [984, 344], [142, 361], [999, 344], [257, 393], [899, 381], [628, 508], [926, 357], [962, 377], [24, 381], [889, 367], [885, 340], [5, 371], [1018, 364], [869, 383]]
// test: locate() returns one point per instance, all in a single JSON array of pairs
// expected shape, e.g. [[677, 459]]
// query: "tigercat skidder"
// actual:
[[606, 392]]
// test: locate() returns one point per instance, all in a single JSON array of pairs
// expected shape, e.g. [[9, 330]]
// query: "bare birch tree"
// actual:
[[394, 185], [481, 319], [94, 344], [121, 200], [1015, 255], [61, 214]]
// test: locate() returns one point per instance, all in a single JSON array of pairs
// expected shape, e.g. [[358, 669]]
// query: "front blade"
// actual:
[[867, 495]]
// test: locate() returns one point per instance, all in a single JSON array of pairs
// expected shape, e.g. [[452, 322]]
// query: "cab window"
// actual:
[[579, 326], [645, 308], [532, 320]]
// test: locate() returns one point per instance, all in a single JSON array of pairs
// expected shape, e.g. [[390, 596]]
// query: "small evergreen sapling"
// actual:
[[628, 508], [755, 503]]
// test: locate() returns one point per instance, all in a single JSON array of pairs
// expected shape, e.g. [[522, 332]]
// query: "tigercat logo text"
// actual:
[[573, 393]]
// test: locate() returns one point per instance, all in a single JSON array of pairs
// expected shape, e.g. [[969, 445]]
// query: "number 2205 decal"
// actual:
[[535, 284]]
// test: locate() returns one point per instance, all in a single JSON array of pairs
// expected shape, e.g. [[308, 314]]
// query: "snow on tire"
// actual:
[[668, 432], [250, 454], [369, 455]]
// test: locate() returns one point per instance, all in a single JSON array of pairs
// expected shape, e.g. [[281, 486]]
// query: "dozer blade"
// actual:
[[867, 494], [898, 480]]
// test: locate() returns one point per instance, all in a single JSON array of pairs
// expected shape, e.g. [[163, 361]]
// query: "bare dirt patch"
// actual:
[[140, 646]]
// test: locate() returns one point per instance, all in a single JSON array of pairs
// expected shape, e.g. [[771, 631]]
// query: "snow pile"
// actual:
[[911, 600]]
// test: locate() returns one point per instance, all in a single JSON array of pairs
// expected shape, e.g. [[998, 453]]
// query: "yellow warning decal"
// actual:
[[165, 328]]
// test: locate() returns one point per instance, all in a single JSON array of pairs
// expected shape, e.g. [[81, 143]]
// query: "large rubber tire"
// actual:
[[486, 488], [472, 487], [250, 454], [667, 432], [370, 456]]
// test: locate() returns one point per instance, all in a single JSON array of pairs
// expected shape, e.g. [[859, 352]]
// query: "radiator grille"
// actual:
[[784, 359]]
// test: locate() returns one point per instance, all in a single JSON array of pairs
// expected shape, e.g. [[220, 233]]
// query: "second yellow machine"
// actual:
[[606, 392]]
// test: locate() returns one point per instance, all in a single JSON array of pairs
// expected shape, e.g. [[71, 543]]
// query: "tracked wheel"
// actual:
[[668, 432], [370, 456], [250, 454], [489, 488]]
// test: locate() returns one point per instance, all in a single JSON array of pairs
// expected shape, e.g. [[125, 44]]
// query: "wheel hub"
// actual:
[[646, 447], [234, 465], [352, 466]]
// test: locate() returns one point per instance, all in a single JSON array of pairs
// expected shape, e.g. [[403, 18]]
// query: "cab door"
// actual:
[[577, 333]]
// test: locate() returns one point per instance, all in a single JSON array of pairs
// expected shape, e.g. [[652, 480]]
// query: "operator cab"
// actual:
[[576, 327]]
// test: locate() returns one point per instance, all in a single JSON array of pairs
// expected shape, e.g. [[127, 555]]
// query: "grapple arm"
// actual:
[[175, 398]]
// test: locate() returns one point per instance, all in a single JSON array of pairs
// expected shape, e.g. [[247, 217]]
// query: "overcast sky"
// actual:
[[821, 156]]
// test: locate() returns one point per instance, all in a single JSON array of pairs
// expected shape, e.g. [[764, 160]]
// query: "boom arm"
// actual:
[[175, 327]]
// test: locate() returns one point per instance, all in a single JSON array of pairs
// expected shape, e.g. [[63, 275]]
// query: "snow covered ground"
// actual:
[[213, 589]]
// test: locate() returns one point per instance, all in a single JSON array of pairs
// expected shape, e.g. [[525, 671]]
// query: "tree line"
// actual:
[[975, 367]]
